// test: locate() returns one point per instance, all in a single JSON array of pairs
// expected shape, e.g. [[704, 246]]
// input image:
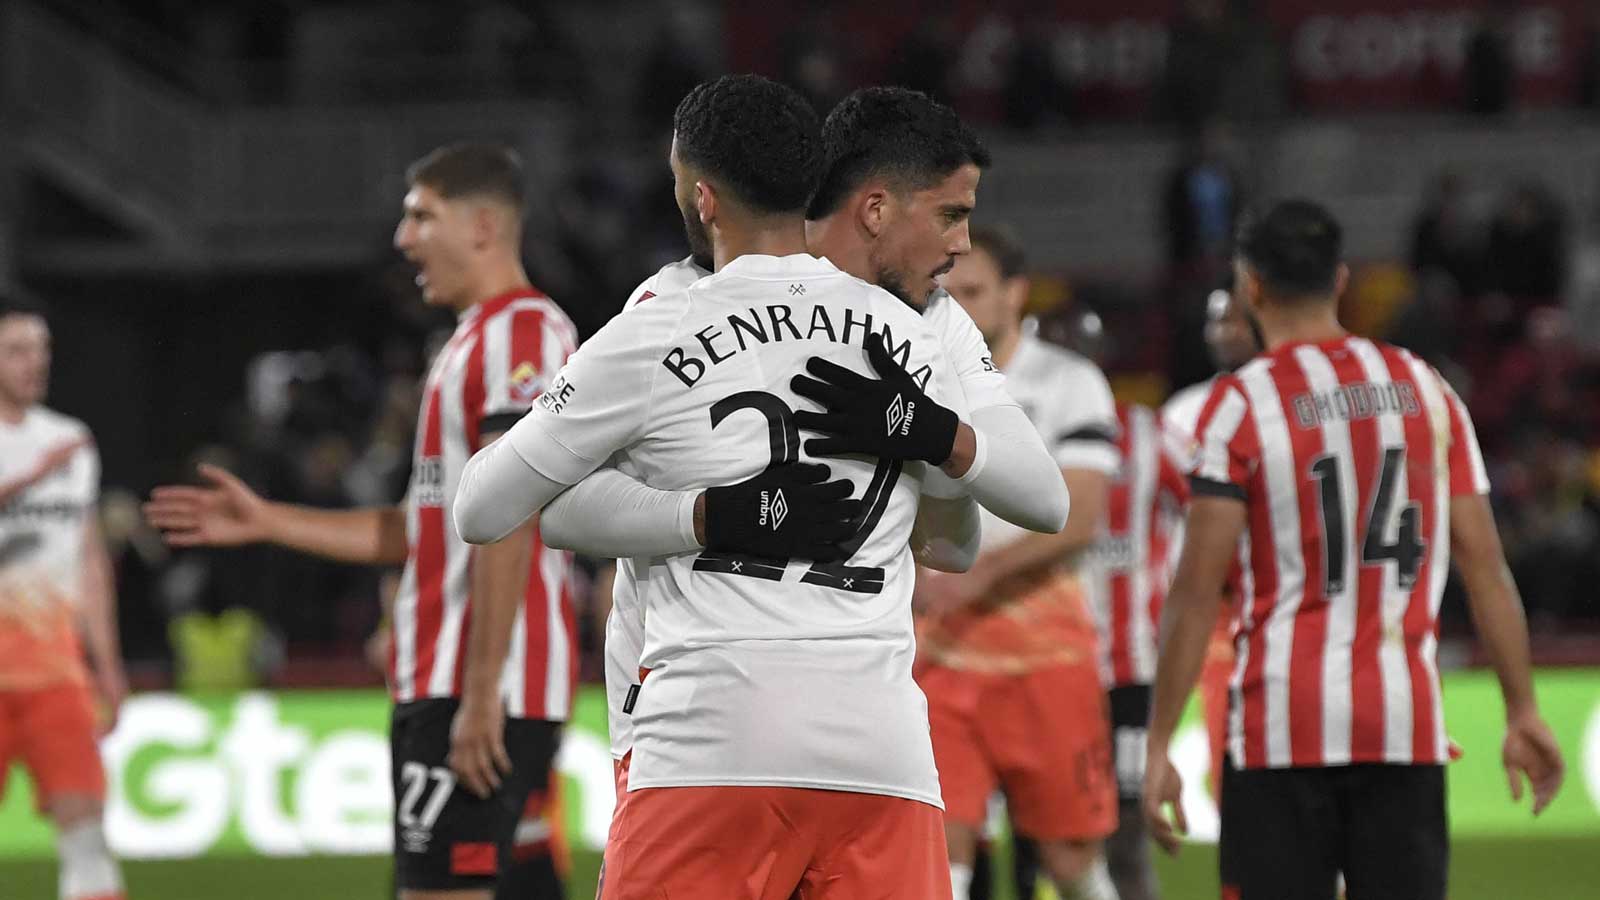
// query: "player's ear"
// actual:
[[1341, 280], [872, 210], [705, 200], [1246, 287], [485, 225]]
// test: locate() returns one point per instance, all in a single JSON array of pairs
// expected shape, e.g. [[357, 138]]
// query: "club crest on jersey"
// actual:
[[525, 383], [898, 415], [774, 509]]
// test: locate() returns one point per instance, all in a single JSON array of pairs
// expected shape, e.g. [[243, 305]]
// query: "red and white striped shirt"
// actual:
[[1347, 453], [503, 354], [1126, 572]]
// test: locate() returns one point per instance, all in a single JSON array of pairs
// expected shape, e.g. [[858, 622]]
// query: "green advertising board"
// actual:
[[307, 772]]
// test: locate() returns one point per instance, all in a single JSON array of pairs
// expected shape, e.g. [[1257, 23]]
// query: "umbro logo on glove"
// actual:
[[873, 416], [899, 415], [787, 511], [774, 509]]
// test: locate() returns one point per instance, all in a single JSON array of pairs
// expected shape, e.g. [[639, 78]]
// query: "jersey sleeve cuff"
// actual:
[[1207, 487], [980, 458], [686, 501]]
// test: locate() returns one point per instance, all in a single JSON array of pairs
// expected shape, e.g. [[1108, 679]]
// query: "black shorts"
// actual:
[[1130, 725], [445, 836], [1288, 833]]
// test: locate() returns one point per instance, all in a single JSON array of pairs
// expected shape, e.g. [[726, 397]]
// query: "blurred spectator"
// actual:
[[1487, 76], [1543, 382], [1527, 246], [1201, 201], [1445, 237], [1550, 527]]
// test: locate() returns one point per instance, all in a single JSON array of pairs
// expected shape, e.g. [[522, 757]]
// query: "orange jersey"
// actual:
[[42, 534], [1030, 624]]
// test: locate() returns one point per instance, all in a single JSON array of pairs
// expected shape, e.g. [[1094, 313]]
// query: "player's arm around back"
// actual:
[[225, 512], [1530, 748], [597, 404]]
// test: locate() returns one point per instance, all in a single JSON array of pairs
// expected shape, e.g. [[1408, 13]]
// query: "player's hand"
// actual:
[[888, 417], [1163, 786], [225, 513], [791, 511], [1530, 751], [478, 746]]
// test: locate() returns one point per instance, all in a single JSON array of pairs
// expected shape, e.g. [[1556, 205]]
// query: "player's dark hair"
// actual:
[[1001, 243], [13, 305], [759, 138], [892, 132], [1294, 247], [471, 169]]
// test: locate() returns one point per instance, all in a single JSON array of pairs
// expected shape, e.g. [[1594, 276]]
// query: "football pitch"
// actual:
[[1522, 868]]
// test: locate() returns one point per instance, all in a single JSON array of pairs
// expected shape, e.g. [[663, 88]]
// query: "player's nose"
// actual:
[[960, 240]]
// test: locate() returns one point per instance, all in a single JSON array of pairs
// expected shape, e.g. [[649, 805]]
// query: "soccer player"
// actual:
[[1232, 338], [901, 177], [777, 730], [1125, 577], [1007, 650], [55, 585], [483, 652], [1352, 470]]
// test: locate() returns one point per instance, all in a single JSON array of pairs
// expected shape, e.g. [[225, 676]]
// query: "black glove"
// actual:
[[887, 417], [788, 511]]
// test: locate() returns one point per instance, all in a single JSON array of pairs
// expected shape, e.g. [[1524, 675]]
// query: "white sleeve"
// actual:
[[947, 533], [597, 405], [1085, 430], [498, 492], [981, 380], [1014, 477], [610, 515]]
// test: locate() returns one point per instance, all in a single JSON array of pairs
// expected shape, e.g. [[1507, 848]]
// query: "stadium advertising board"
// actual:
[[306, 772]]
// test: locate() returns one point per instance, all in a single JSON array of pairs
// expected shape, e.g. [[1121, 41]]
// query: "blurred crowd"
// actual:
[[1499, 285]]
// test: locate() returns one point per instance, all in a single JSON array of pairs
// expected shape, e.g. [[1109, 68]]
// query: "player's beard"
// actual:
[[890, 280], [694, 231]]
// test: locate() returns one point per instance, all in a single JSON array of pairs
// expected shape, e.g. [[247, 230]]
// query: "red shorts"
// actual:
[[1043, 737], [54, 732], [774, 843]]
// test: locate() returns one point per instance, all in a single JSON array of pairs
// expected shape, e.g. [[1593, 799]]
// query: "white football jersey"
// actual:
[[42, 528], [761, 673], [625, 623], [982, 383], [43, 554], [1068, 399]]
